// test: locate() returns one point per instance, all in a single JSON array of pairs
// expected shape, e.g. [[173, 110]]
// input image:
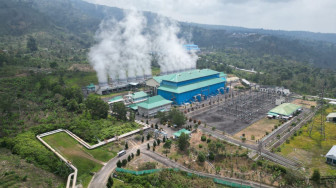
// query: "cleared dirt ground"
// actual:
[[258, 129], [304, 103]]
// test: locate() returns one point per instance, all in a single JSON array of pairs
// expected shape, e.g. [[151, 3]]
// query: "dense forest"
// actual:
[[273, 70]]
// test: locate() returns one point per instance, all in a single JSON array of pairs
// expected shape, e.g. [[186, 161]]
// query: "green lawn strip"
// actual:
[[311, 150], [80, 156]]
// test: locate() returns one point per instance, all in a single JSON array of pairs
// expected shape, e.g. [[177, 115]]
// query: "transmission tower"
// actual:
[[322, 110]]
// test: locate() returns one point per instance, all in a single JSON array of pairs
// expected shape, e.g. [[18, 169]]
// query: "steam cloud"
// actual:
[[123, 49]]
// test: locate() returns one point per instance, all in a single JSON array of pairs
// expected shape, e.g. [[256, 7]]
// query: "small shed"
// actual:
[[115, 100], [178, 133], [332, 117], [331, 156], [285, 109]]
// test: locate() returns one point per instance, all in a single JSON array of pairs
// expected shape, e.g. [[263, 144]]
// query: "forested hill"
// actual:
[[64, 29], [304, 35], [317, 53]]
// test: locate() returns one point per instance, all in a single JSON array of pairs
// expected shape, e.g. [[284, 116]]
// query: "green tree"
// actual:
[[72, 93], [119, 164], [109, 182], [31, 44], [211, 156], [119, 109], [316, 176], [183, 141], [167, 144], [177, 117], [138, 152], [132, 116], [124, 162], [154, 144], [201, 157], [53, 65], [129, 158], [72, 105], [126, 145], [162, 117], [97, 107], [148, 146]]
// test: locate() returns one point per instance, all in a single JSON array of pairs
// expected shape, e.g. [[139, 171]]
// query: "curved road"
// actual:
[[99, 180]]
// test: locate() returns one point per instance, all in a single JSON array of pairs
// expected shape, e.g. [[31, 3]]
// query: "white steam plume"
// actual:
[[123, 48], [173, 57]]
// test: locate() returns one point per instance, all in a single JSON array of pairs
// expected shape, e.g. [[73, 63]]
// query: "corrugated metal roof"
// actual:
[[133, 106], [117, 98], [286, 109], [153, 102], [332, 152], [139, 94], [187, 75], [91, 86], [222, 74], [332, 115], [191, 87], [178, 133]]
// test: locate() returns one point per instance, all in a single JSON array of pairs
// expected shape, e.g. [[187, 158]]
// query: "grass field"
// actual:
[[86, 161], [258, 129], [16, 172], [310, 150]]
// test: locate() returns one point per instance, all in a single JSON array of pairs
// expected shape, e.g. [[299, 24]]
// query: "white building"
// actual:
[[331, 156]]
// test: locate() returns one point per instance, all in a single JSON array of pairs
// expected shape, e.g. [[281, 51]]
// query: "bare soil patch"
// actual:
[[304, 103], [81, 67], [258, 129]]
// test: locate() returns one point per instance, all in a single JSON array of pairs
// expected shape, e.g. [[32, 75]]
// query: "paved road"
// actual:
[[173, 164], [99, 180]]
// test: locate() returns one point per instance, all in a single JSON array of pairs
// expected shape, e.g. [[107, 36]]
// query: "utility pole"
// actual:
[[322, 110]]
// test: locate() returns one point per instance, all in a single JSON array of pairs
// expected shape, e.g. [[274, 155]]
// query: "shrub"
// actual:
[[287, 141], [124, 162], [213, 128], [211, 156], [203, 138], [278, 149], [252, 137], [208, 140], [266, 133], [138, 152], [254, 166], [119, 164], [201, 157], [316, 176], [200, 146], [243, 139]]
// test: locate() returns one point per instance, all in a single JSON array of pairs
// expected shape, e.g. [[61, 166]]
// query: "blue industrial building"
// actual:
[[191, 86], [191, 47]]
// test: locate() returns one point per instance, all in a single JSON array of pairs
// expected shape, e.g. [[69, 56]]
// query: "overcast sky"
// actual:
[[306, 15]]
